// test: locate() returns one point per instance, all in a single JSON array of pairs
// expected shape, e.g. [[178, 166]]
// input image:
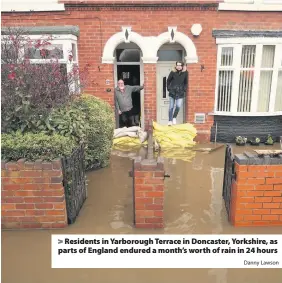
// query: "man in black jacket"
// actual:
[[177, 83]]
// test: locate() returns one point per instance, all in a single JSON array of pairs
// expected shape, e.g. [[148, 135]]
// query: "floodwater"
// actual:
[[193, 205]]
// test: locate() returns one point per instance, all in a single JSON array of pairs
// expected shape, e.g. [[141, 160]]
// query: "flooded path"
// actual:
[[193, 205]]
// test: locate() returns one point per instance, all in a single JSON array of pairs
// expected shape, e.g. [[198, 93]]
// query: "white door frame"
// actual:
[[171, 47]]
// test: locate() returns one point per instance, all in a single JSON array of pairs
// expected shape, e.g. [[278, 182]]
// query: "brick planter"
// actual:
[[256, 197], [148, 193], [32, 195]]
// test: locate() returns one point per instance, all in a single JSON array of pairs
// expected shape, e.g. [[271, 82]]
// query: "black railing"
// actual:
[[74, 182], [228, 178]]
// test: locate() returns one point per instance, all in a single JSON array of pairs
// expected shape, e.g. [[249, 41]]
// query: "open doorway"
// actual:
[[130, 74], [128, 67]]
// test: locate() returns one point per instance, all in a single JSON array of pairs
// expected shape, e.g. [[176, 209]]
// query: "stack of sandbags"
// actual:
[[175, 136], [129, 137]]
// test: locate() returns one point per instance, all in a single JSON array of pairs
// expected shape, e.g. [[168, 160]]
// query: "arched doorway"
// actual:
[[168, 54], [129, 67]]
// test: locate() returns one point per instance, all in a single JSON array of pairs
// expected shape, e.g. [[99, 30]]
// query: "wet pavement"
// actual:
[[193, 205]]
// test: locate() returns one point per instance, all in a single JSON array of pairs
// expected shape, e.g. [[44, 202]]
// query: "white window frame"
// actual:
[[250, 5], [31, 5], [63, 39], [66, 41], [237, 44]]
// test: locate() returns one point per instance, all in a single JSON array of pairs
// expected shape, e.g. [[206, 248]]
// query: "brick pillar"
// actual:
[[150, 90], [256, 197], [33, 195], [148, 193]]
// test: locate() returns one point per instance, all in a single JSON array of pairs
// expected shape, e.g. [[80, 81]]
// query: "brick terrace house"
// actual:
[[232, 48]]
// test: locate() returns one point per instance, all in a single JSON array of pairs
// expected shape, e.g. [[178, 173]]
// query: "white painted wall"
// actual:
[[28, 5], [251, 5]]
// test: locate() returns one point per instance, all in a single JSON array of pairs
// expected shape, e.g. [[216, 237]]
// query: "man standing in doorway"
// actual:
[[177, 83], [123, 102]]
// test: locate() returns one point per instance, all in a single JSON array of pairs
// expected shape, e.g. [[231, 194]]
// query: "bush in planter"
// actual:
[[241, 140], [30, 92], [255, 141], [269, 140], [91, 120], [35, 146]]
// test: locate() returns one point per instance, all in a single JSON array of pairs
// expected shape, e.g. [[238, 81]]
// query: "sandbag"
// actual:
[[178, 153], [129, 138], [122, 132], [176, 136], [128, 142]]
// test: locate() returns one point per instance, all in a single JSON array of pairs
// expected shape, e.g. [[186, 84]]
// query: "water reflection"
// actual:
[[197, 163], [193, 205]]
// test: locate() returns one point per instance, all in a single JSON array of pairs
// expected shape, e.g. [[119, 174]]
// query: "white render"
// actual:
[[149, 45], [251, 5], [31, 5]]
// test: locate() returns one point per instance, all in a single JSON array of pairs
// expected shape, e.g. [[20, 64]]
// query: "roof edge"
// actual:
[[34, 30], [220, 33]]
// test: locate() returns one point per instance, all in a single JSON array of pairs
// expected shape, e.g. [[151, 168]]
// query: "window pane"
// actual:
[[225, 79], [170, 55], [128, 55], [248, 56], [245, 91], [268, 52], [278, 101], [45, 52], [227, 56], [264, 91]]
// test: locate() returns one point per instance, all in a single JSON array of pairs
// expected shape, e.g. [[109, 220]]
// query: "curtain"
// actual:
[[265, 78], [278, 101]]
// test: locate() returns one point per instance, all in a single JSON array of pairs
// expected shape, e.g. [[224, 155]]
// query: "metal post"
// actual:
[[215, 136], [150, 154]]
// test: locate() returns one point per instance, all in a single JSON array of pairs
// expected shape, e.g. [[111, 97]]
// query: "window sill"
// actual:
[[249, 7], [245, 114]]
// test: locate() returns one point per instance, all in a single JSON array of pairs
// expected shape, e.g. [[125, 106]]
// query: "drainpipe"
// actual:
[[215, 133], [150, 154]]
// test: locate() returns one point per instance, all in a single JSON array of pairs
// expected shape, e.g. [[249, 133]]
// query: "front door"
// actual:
[[163, 70]]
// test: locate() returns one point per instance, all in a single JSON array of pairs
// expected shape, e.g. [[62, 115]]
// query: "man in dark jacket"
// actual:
[[177, 83], [123, 101]]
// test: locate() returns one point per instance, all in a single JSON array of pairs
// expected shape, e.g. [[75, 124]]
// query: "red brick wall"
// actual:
[[32, 195], [149, 193], [257, 195], [151, 23], [150, 93]]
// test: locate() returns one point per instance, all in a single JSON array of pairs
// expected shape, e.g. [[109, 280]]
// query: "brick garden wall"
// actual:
[[32, 195], [151, 23], [148, 193], [256, 198]]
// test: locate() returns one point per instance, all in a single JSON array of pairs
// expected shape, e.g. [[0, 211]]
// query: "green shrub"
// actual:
[[35, 146], [91, 120]]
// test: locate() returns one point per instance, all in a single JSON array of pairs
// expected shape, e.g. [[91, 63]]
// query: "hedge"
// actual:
[[90, 120], [35, 146]]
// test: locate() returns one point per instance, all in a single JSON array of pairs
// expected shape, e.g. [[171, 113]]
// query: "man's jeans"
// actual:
[[172, 101]]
